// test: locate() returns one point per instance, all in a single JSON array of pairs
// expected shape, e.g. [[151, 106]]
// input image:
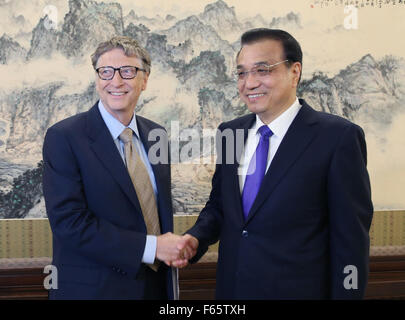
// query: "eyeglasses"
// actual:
[[126, 72], [261, 71]]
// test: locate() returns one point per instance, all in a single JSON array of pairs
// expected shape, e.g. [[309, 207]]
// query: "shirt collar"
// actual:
[[280, 125], [114, 126]]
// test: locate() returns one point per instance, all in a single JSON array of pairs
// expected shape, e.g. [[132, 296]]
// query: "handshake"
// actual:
[[175, 250]]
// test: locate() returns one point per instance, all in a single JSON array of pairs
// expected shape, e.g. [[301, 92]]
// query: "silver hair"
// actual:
[[130, 46]]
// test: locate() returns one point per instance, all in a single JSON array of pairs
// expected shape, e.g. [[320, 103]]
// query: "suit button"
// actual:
[[245, 234]]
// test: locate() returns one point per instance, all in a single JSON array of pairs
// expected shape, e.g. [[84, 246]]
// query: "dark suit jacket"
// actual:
[[98, 229], [310, 220]]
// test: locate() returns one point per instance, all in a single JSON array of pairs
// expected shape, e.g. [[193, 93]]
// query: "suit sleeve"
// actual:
[[350, 215], [74, 225]]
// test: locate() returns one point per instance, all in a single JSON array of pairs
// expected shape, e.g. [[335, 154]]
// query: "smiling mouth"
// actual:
[[255, 96], [117, 94]]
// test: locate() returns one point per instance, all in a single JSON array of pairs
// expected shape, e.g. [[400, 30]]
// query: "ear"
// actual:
[[296, 69], [145, 80]]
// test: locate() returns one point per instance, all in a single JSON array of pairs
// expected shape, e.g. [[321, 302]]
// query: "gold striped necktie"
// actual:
[[143, 187]]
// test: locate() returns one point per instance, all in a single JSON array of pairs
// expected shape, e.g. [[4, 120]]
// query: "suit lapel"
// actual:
[[245, 125], [106, 151], [296, 140], [144, 130], [163, 188]]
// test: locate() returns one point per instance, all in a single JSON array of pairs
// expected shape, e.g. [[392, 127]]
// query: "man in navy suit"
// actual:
[[109, 205], [292, 211]]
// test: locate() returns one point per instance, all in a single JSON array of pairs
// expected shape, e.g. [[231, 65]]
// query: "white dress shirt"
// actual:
[[115, 127], [278, 126]]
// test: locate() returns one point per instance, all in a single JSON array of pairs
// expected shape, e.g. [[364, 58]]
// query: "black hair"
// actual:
[[291, 47]]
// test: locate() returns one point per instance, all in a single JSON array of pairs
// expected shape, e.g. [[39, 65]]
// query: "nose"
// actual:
[[251, 81], [117, 80]]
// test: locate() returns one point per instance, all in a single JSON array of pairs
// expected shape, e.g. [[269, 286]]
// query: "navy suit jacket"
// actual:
[[309, 221], [99, 233]]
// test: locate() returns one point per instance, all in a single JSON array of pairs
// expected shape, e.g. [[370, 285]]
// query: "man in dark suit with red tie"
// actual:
[[293, 210]]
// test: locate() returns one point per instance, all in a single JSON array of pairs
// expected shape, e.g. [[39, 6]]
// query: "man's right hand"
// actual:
[[176, 250], [188, 248]]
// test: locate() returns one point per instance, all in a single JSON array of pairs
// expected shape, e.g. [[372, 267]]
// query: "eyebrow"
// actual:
[[260, 63]]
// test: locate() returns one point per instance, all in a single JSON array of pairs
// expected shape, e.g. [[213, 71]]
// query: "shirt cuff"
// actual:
[[150, 250]]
